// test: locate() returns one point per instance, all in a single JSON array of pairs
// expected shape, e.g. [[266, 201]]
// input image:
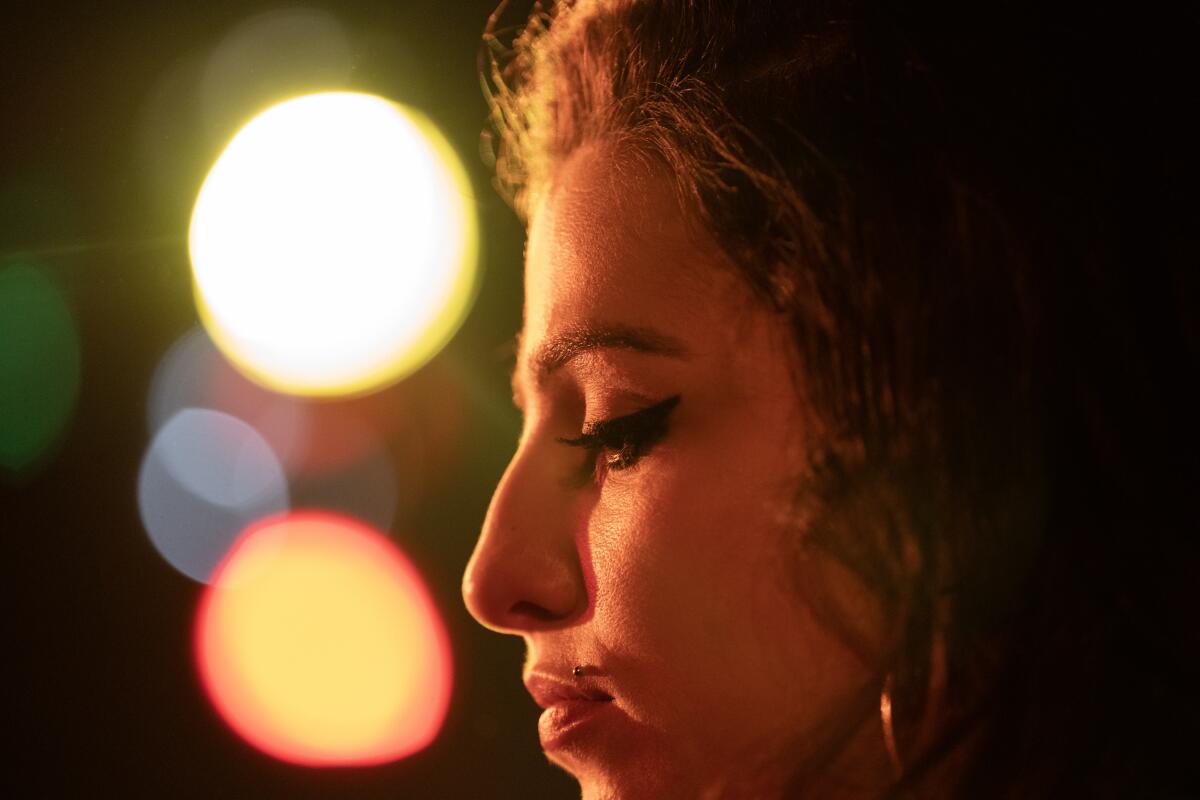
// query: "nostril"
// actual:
[[527, 610]]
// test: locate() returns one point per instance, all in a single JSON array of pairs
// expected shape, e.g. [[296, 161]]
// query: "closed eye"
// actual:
[[618, 443]]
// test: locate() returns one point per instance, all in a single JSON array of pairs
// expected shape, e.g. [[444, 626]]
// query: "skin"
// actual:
[[674, 579]]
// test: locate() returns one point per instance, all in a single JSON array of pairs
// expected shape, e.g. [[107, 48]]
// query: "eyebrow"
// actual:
[[560, 349]]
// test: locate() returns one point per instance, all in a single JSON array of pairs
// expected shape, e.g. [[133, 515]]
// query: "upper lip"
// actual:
[[548, 690]]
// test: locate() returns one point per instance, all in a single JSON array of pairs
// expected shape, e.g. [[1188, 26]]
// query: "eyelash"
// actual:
[[623, 440]]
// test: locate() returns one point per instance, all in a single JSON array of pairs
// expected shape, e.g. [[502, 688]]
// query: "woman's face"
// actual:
[[642, 530]]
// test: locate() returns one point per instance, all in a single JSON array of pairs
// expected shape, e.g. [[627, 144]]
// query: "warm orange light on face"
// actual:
[[319, 644]]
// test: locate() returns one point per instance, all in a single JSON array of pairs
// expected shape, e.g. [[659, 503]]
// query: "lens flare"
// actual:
[[319, 643], [333, 245]]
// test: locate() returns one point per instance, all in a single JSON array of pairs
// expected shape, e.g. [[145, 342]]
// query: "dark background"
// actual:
[[105, 138]]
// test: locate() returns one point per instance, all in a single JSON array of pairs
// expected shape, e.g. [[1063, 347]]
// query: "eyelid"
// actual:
[[649, 416], [630, 435]]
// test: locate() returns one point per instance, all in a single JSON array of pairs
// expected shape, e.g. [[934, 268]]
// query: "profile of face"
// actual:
[[642, 530]]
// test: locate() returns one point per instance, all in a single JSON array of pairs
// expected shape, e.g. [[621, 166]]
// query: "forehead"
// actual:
[[609, 246]]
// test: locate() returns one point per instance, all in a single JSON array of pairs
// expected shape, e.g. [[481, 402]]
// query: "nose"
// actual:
[[525, 573]]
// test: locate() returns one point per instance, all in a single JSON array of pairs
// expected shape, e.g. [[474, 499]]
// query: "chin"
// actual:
[[634, 780], [623, 788], [649, 773], [615, 758]]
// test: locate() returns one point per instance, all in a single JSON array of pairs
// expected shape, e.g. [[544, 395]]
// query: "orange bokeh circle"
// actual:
[[318, 642]]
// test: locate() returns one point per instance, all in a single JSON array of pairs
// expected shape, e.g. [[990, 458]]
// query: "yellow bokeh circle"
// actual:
[[334, 244], [319, 643]]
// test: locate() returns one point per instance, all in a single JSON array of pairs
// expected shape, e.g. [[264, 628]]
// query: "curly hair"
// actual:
[[942, 209]]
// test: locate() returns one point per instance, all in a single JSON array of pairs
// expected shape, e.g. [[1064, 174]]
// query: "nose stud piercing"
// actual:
[[578, 671]]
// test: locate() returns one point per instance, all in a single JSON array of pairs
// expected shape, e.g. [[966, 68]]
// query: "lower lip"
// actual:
[[567, 720]]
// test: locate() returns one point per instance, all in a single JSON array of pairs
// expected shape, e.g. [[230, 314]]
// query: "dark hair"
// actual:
[[979, 231]]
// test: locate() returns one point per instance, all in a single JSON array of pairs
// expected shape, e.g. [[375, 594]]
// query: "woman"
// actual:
[[855, 447]]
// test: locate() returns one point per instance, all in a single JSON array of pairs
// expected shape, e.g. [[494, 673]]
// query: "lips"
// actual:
[[548, 691], [570, 710]]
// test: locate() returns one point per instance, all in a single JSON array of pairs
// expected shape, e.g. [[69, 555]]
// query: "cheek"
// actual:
[[687, 569], [695, 594], [664, 533]]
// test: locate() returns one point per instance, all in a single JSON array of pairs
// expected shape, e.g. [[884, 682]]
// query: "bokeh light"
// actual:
[[39, 367], [206, 476], [194, 374], [366, 487], [333, 245], [270, 57], [319, 643], [331, 458]]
